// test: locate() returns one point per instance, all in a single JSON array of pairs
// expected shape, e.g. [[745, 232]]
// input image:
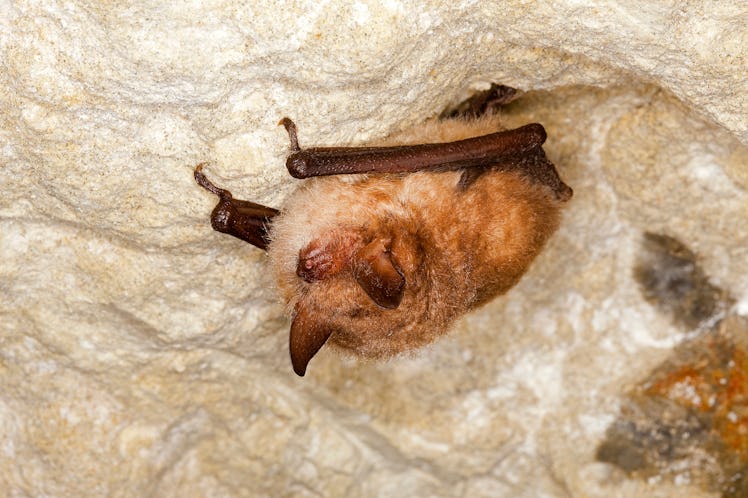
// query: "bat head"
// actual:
[[352, 283], [371, 264], [361, 288]]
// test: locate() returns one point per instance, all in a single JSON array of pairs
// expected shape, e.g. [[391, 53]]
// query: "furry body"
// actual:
[[456, 247]]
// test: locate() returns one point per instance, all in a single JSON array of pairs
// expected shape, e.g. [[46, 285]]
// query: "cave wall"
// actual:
[[142, 354]]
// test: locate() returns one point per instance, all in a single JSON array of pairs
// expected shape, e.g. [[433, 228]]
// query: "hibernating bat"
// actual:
[[387, 246]]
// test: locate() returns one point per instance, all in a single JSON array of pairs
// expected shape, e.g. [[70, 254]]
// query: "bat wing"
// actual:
[[243, 219], [518, 149]]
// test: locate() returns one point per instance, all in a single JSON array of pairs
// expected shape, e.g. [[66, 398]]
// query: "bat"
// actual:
[[384, 247]]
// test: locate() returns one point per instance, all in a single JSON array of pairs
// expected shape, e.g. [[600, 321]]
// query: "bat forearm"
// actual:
[[471, 152], [245, 220]]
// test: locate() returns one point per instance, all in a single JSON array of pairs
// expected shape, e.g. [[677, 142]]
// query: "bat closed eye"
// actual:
[[382, 248]]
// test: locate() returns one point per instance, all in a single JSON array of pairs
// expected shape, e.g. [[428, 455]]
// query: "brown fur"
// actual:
[[456, 248]]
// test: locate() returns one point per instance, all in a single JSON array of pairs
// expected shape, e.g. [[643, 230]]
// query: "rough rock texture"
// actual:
[[142, 354]]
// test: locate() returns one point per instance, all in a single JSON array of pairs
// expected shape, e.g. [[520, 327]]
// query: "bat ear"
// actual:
[[308, 335], [377, 273]]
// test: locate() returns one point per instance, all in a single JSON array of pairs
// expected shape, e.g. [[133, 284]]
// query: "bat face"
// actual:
[[383, 263]]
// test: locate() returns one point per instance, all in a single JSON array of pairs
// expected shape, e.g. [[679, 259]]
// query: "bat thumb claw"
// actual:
[[291, 129]]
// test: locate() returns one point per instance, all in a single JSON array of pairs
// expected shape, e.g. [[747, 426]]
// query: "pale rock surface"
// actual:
[[142, 354]]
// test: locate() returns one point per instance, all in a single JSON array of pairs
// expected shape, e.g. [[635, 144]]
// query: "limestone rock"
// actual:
[[143, 354]]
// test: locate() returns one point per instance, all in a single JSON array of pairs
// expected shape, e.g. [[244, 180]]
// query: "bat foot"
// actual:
[[482, 102]]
